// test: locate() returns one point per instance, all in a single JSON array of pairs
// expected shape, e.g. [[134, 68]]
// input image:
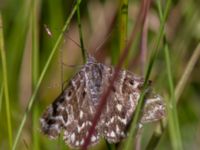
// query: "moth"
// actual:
[[73, 110]]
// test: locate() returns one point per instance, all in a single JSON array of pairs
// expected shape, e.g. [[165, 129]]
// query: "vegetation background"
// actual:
[[37, 49]]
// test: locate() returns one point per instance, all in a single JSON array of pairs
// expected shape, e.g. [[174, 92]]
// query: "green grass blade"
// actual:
[[1, 97], [159, 10], [35, 47], [43, 73], [123, 20], [84, 52], [5, 83], [35, 70], [171, 105]]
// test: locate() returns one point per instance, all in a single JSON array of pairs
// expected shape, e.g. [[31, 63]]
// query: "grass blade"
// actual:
[[171, 106], [123, 18], [84, 53], [1, 97], [5, 83], [35, 70]]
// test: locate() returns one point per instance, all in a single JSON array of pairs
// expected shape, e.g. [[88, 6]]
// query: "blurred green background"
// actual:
[[30, 30]]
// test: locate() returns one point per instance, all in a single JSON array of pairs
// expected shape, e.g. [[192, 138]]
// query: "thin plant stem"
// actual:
[[57, 43], [5, 83], [1, 97], [171, 107], [35, 70], [84, 53], [123, 19], [158, 40]]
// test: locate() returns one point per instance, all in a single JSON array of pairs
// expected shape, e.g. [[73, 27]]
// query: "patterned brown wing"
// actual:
[[154, 108], [72, 112], [120, 105]]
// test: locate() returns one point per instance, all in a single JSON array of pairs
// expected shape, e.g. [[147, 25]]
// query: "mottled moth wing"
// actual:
[[72, 111], [154, 108], [120, 104]]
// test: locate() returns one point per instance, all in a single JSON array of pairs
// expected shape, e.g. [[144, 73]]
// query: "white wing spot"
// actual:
[[153, 100], [112, 119], [119, 107], [82, 141], [72, 137], [81, 114], [135, 85], [77, 143], [112, 134], [117, 129], [123, 120], [81, 127], [93, 139]]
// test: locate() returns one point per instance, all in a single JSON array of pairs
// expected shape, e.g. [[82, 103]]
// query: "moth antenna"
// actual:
[[76, 43], [102, 43], [72, 66], [63, 64], [87, 54]]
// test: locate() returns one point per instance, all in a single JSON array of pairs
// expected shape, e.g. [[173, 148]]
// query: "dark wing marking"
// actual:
[[54, 118]]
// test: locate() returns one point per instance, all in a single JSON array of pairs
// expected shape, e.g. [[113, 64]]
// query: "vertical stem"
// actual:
[[84, 53], [123, 18], [5, 83], [172, 111], [35, 70], [1, 97]]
